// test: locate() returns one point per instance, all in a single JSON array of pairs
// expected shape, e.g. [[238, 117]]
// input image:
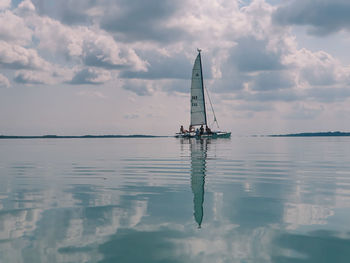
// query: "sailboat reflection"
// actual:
[[198, 170]]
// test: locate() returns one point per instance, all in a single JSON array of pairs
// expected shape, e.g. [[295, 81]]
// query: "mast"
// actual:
[[200, 63]]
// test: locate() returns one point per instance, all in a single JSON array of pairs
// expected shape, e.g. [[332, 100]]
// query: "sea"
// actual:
[[243, 199]]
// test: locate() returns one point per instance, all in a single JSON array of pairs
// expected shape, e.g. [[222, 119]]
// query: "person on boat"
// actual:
[[191, 128], [201, 130], [208, 130], [182, 130], [197, 132]]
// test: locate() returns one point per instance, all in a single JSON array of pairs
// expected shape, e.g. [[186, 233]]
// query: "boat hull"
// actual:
[[214, 135]]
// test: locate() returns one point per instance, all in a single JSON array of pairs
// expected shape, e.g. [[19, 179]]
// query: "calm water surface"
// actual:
[[171, 200]]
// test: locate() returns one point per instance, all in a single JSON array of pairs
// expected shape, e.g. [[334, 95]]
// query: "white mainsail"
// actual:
[[198, 112]]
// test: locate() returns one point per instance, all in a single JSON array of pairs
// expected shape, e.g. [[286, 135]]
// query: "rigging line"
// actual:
[[212, 108]]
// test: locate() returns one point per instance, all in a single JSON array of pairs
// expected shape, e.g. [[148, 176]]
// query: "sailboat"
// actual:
[[199, 126]]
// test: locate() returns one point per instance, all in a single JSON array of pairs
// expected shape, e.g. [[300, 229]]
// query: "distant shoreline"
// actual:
[[313, 134], [77, 137], [303, 134]]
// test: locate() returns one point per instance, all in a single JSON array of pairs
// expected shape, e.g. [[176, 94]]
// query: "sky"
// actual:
[[75, 67]]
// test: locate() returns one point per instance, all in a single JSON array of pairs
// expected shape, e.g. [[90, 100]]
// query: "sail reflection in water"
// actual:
[[198, 169]]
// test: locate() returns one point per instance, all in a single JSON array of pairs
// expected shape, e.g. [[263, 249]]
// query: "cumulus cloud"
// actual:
[[18, 57], [4, 4], [140, 20], [251, 54], [151, 46], [141, 87], [264, 64], [92, 76], [103, 51], [4, 82], [26, 6], [255, 52], [57, 38], [163, 66], [13, 29], [92, 47], [129, 20], [318, 68], [62, 44], [32, 77], [323, 16]]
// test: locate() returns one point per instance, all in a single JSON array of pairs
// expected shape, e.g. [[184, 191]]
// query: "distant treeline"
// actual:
[[313, 134], [76, 137]]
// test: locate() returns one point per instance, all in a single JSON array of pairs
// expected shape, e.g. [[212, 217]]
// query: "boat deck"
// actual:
[[213, 135]]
